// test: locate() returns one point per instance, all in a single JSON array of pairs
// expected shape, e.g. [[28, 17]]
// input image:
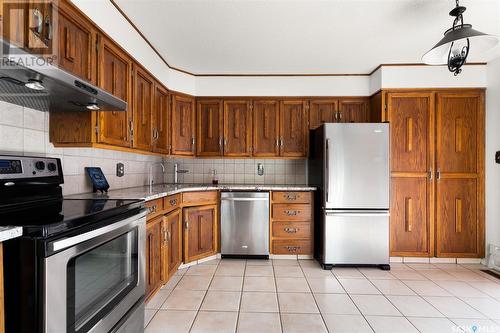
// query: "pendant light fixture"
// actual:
[[458, 43]]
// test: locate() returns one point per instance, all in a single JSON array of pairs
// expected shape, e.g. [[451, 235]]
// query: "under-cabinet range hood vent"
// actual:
[[32, 81]]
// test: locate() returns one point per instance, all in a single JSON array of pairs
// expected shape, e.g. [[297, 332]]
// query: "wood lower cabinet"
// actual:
[[200, 230], [183, 125], [210, 127], [171, 249], [237, 128], [153, 255], [266, 130]]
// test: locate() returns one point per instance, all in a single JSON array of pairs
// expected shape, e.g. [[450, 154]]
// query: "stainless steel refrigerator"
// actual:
[[350, 165]]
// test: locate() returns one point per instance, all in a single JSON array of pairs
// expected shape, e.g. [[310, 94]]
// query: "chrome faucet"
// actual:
[[177, 172], [150, 175]]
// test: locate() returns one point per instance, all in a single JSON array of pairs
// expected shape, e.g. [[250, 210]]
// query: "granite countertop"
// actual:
[[9, 232], [162, 190]]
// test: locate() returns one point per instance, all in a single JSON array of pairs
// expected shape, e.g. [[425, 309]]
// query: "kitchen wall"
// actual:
[[239, 171], [24, 131]]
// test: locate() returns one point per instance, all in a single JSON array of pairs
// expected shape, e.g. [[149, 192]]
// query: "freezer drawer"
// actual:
[[245, 223], [356, 238]]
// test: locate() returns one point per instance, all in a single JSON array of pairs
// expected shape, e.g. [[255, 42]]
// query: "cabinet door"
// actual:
[[174, 241], [153, 245], [199, 232], [210, 128], [77, 43], [14, 22], [161, 123], [183, 124], [143, 109], [460, 181], [293, 128], [265, 128], [410, 117], [353, 110], [322, 111], [237, 128], [115, 76]]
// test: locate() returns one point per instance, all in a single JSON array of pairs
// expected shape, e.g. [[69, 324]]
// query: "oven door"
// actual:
[[96, 278]]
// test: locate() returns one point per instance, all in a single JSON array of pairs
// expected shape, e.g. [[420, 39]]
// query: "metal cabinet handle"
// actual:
[[290, 197], [430, 174], [438, 174], [281, 142], [220, 143], [165, 236], [277, 142], [186, 224], [291, 212], [173, 202], [225, 142], [292, 248], [291, 230]]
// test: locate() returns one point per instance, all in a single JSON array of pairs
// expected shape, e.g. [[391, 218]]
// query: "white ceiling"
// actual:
[[301, 36]]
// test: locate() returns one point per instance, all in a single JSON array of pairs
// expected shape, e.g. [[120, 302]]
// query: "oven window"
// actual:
[[99, 279]]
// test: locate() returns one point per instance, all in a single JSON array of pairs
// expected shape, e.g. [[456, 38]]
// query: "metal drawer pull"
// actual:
[[173, 202], [291, 230], [292, 248], [291, 212], [290, 197]]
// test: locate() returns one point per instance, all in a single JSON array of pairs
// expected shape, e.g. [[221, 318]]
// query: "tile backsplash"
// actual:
[[24, 131]]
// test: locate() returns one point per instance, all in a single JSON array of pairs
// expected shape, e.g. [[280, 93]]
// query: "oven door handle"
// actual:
[[72, 241]]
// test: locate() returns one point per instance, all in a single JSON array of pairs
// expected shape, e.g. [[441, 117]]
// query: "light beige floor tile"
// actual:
[[335, 304], [285, 284], [316, 272], [297, 303], [221, 301], [418, 266], [450, 267], [309, 263], [148, 315], [469, 276], [487, 306], [426, 288], [382, 324], [400, 267], [482, 325], [170, 321], [414, 306], [227, 283], [259, 262], [285, 262], [194, 282], [434, 325], [172, 282], [220, 322], [489, 288], [259, 323], [230, 270], [409, 275], [325, 285], [392, 287], [375, 305], [347, 323], [376, 274], [302, 323], [181, 271], [358, 286], [181, 299], [213, 262], [347, 273], [158, 299], [288, 271], [460, 289], [203, 270], [259, 270], [259, 283], [437, 275], [259, 302], [233, 262], [453, 307]]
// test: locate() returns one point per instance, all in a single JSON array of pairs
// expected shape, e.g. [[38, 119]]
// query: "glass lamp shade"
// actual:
[[479, 43]]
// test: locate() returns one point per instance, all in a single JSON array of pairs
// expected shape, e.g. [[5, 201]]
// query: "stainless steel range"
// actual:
[[79, 266]]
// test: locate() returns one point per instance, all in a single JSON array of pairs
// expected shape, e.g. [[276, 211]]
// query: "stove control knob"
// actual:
[[40, 165], [52, 167]]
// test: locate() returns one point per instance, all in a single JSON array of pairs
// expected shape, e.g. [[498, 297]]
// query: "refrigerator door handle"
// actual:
[[327, 160]]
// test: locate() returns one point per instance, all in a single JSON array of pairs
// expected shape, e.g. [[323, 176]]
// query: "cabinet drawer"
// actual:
[[155, 207], [292, 197], [171, 202], [291, 212], [196, 198], [292, 246], [291, 229]]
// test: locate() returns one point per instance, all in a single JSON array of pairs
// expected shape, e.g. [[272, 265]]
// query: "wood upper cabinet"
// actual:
[[153, 255], [15, 22], [143, 109], [237, 128], [115, 76], [183, 125], [460, 174], [161, 120], [410, 116], [200, 232], [210, 127], [293, 128], [353, 110], [266, 131], [171, 249], [322, 111], [76, 42]]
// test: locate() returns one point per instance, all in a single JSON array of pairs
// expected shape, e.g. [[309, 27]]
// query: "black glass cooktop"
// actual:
[[50, 218]]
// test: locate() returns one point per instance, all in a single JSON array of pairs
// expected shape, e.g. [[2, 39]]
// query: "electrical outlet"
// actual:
[[497, 157], [260, 169], [120, 169]]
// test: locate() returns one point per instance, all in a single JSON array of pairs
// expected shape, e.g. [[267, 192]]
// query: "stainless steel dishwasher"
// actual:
[[245, 224]]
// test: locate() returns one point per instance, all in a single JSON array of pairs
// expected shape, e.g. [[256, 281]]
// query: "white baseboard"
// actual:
[[416, 260], [443, 260], [283, 256], [214, 257], [468, 260], [305, 257], [396, 260]]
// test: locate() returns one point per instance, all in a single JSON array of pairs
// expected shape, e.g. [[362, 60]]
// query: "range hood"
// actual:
[[30, 81]]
